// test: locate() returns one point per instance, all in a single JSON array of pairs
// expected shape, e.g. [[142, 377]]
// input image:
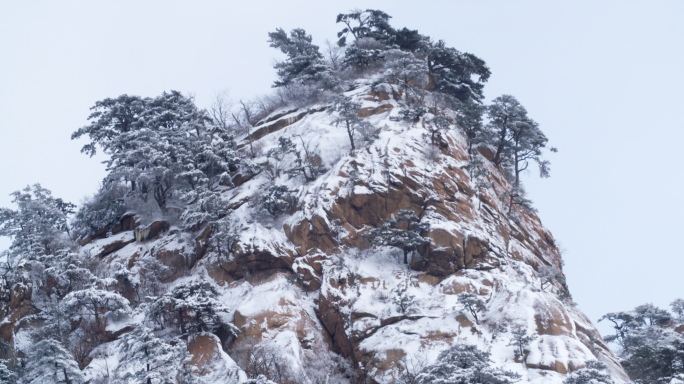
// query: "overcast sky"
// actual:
[[603, 78]]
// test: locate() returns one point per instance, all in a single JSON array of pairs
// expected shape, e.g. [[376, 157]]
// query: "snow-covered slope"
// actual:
[[307, 283]]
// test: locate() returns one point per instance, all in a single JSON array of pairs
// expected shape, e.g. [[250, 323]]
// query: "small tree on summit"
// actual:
[[408, 240], [304, 61], [454, 73]]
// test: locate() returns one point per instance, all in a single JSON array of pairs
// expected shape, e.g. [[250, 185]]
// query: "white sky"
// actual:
[[603, 79]]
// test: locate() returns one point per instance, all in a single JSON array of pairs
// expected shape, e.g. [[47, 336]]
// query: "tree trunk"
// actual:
[[405, 256], [180, 321], [351, 136]]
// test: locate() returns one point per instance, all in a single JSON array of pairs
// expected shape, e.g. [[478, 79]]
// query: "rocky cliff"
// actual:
[[307, 284]]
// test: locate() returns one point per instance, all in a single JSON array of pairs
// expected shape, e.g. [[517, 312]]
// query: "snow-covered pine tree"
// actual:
[[465, 364], [593, 373], [192, 307], [678, 309], [547, 274], [149, 359], [408, 72], [50, 362], [7, 376], [520, 339], [469, 120], [304, 62], [371, 23], [407, 239], [651, 350], [94, 303], [277, 200], [402, 299], [516, 137], [473, 303], [38, 227], [103, 210], [461, 75], [437, 127], [347, 115]]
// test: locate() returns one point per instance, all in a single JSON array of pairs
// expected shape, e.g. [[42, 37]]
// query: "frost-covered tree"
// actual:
[[402, 299], [516, 137], [593, 373], [277, 200], [104, 210], [651, 351], [304, 62], [461, 75], [7, 376], [149, 359], [164, 146], [50, 362], [192, 307], [408, 72], [520, 339], [347, 115], [547, 274], [371, 23], [678, 309], [404, 232], [473, 303], [261, 379], [465, 364], [437, 127], [94, 303], [469, 120], [38, 228]]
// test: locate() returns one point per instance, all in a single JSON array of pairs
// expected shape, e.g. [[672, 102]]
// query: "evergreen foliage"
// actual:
[[473, 304], [304, 62], [391, 233], [452, 72], [148, 358], [277, 200], [652, 351], [192, 307], [593, 373], [7, 376], [402, 299], [465, 364], [520, 339], [50, 362]]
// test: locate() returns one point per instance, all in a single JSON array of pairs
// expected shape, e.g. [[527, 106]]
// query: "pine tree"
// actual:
[[38, 227], [347, 115], [304, 62], [678, 309], [593, 373], [473, 304], [469, 120], [517, 138], [547, 274], [192, 307], [402, 299], [7, 376], [465, 364], [371, 23], [520, 340], [408, 239], [95, 303], [50, 362], [277, 200], [149, 359], [452, 72]]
